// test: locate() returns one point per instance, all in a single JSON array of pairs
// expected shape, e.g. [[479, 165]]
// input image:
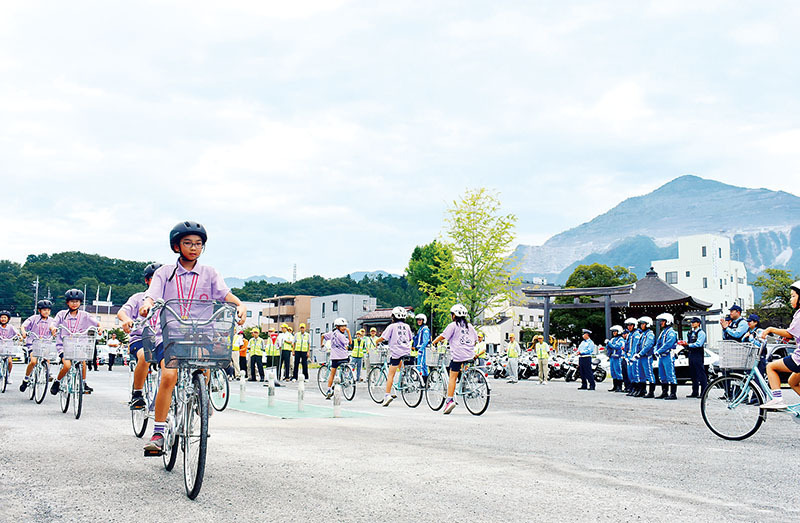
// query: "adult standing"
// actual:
[[543, 356], [273, 353], [421, 341], [512, 351], [302, 344], [644, 355], [586, 350], [285, 342], [113, 345], [631, 342], [255, 350], [371, 343], [615, 347], [753, 336], [357, 354], [734, 328], [243, 354], [695, 343], [480, 350], [666, 343], [238, 341], [92, 363]]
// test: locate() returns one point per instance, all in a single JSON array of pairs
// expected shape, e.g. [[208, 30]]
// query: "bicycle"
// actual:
[[731, 404], [193, 346], [78, 347], [219, 389], [44, 350], [346, 376], [409, 384], [471, 384], [7, 350]]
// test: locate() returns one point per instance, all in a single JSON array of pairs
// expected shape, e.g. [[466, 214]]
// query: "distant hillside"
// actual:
[[358, 276], [234, 282]]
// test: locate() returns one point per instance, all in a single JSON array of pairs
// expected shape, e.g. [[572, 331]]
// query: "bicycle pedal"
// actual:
[[153, 453]]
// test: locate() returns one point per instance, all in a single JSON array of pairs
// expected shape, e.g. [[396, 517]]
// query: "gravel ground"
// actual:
[[540, 453]]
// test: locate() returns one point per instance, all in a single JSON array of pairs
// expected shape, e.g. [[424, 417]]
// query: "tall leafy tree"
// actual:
[[425, 272], [775, 308]]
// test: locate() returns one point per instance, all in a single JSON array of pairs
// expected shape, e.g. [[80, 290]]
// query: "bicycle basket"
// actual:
[[149, 343], [197, 332], [45, 348], [735, 355], [435, 356], [79, 347], [378, 355], [7, 346]]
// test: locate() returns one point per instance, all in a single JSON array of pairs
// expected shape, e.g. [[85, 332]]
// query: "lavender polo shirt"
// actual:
[[339, 342], [131, 308], [78, 323], [794, 330], [398, 337], [461, 340], [39, 326], [203, 282], [8, 331]]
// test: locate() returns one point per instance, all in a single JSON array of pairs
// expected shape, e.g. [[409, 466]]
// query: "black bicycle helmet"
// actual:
[[73, 294], [150, 270], [44, 304], [5, 313], [184, 229]]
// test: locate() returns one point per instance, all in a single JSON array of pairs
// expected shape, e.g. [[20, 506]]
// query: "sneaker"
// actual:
[[137, 402], [775, 404], [23, 385], [8, 381], [155, 447], [449, 406], [55, 387], [387, 400], [87, 389]]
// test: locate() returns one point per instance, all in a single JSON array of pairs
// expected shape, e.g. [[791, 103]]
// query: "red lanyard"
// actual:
[[68, 319], [186, 301]]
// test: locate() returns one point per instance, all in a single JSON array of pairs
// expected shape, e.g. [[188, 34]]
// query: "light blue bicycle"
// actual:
[[731, 404]]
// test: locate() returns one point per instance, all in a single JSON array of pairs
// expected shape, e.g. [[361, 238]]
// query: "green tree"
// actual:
[[424, 272], [479, 238], [775, 308], [568, 323]]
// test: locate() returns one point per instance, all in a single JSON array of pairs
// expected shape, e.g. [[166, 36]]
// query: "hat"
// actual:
[[695, 319], [302, 325], [587, 331], [284, 326], [753, 317], [735, 308]]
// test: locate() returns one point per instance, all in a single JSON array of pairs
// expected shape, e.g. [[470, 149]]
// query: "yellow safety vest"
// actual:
[[513, 349], [287, 345], [272, 349], [359, 345], [256, 347], [302, 342], [236, 345], [480, 349], [369, 342], [542, 350]]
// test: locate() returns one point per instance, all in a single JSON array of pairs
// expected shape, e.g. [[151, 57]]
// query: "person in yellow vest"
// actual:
[[543, 355], [512, 351], [255, 350], [272, 353], [285, 342], [357, 354], [302, 344], [236, 346], [370, 344], [480, 349]]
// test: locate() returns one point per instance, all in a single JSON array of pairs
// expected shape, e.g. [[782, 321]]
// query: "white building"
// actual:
[[325, 309], [704, 269], [500, 321]]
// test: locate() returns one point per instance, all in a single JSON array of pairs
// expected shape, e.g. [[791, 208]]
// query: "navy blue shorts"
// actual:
[[408, 360], [790, 364], [134, 348], [335, 363], [158, 352], [455, 366]]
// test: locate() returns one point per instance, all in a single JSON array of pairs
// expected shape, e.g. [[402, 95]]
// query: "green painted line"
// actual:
[[288, 410]]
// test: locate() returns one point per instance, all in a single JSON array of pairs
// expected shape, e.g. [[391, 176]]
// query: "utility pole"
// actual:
[[294, 274], [35, 294]]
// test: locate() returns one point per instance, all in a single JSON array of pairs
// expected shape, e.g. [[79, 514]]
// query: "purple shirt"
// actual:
[[462, 341], [8, 331], [131, 308], [78, 323], [794, 330], [398, 337], [38, 326], [203, 282], [339, 342]]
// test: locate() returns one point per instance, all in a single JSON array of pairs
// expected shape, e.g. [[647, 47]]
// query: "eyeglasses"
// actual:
[[192, 245]]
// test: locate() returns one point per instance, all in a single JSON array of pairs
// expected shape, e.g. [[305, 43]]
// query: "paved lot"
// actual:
[[541, 453]]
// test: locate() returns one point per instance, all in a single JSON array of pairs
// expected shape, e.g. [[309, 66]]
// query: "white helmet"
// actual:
[[631, 321], [616, 328], [667, 317], [338, 322], [400, 313], [422, 317], [459, 311], [647, 320]]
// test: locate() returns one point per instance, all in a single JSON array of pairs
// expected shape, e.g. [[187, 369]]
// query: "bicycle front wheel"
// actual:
[[348, 382], [219, 389], [77, 394], [436, 390], [322, 378], [195, 437], [412, 386], [376, 384], [731, 408], [171, 438], [32, 385], [3, 374], [475, 390], [64, 394], [40, 379]]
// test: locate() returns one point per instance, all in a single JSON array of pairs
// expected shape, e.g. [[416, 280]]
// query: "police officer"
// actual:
[[753, 335], [695, 343], [735, 328], [644, 356], [667, 341], [614, 349], [421, 341], [635, 390], [586, 350]]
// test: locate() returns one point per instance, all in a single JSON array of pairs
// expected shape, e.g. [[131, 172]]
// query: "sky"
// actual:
[[334, 134]]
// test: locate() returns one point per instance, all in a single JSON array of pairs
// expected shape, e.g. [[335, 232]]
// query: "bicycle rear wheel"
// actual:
[[3, 374], [77, 394], [195, 437], [32, 385], [475, 391], [411, 387], [171, 438], [376, 384], [41, 377], [219, 391], [64, 394], [322, 378], [436, 390], [348, 382], [731, 409]]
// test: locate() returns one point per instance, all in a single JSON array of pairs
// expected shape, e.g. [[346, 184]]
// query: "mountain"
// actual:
[[359, 275], [763, 225], [234, 283]]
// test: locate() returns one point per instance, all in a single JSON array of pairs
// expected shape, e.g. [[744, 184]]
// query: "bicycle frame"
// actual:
[[755, 377]]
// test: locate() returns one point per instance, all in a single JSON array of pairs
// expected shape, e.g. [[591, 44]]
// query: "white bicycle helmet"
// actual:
[[399, 313], [338, 322], [647, 320], [617, 329], [459, 311], [667, 317], [631, 321], [422, 317]]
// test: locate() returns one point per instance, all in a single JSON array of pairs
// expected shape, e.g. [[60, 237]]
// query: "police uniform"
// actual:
[[737, 328], [635, 376], [585, 351], [667, 341], [695, 343], [644, 355], [754, 336], [614, 349]]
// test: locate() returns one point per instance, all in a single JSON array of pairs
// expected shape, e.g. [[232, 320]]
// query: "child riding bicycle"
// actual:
[[790, 363], [461, 336]]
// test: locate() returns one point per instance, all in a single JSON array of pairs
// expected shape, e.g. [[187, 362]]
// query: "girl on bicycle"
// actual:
[[340, 342], [398, 337], [74, 320], [186, 280], [41, 325], [461, 336], [790, 363], [7, 331]]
